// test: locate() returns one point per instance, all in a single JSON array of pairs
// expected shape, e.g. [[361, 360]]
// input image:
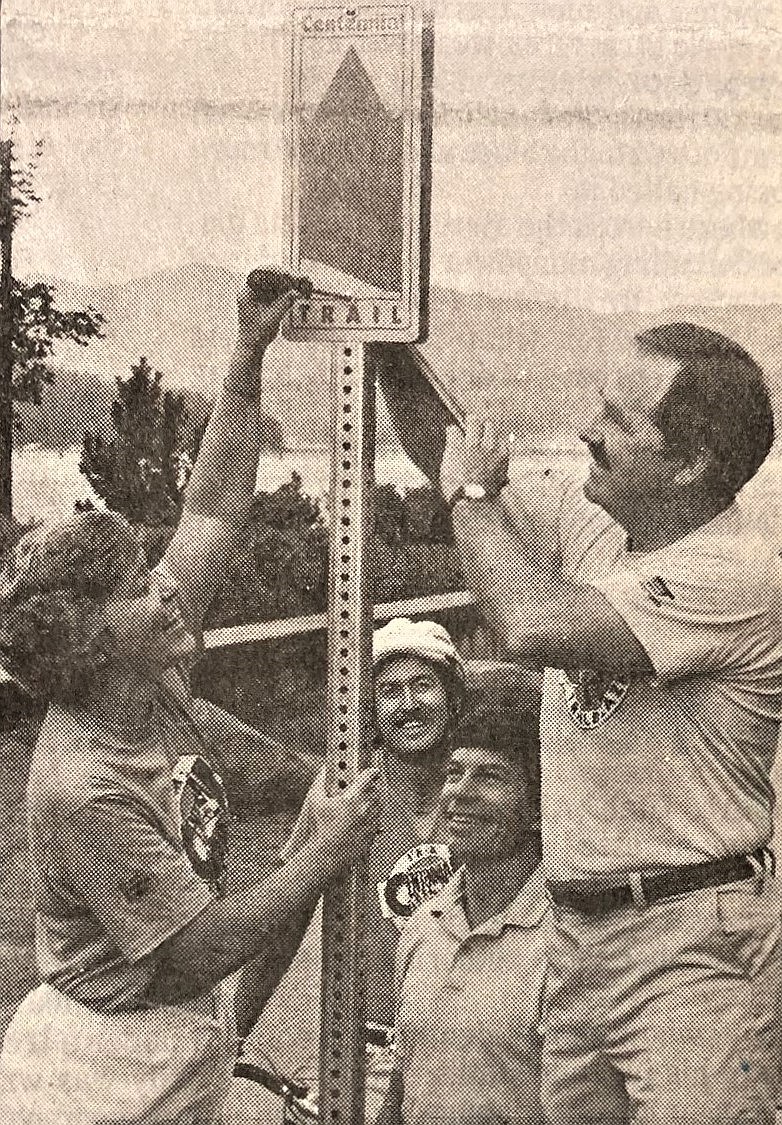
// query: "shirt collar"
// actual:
[[448, 907], [529, 906], [726, 522], [525, 912]]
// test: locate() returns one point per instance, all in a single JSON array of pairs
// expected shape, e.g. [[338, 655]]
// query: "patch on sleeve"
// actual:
[[203, 817], [137, 886], [657, 589], [592, 697]]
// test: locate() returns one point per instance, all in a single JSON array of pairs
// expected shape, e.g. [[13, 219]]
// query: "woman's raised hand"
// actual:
[[261, 310]]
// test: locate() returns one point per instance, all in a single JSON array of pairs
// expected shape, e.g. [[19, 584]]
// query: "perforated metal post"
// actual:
[[349, 688]]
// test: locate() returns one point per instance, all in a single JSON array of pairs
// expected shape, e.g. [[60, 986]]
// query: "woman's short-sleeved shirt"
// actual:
[[113, 877]]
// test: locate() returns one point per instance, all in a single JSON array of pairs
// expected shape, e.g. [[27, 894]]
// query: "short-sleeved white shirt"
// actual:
[[673, 768], [468, 1010]]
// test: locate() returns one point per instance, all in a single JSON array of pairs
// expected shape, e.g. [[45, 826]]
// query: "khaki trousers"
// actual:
[[63, 1063], [667, 1014]]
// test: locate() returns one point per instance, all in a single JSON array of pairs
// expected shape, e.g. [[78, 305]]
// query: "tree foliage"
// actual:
[[37, 324], [280, 568], [289, 508], [33, 320], [389, 515], [417, 516], [142, 469], [30, 321]]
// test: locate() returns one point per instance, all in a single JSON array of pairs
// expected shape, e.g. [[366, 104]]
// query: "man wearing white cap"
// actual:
[[419, 698], [419, 682]]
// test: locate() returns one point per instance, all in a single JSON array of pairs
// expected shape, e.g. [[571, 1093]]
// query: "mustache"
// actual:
[[598, 451], [465, 808], [415, 714]]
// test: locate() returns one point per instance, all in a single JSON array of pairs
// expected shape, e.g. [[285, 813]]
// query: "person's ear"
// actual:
[[694, 468]]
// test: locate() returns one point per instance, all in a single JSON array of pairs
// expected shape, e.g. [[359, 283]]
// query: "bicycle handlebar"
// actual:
[[294, 1096]]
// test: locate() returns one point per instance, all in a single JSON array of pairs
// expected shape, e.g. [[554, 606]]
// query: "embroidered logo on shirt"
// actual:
[[593, 697], [657, 589], [203, 815], [137, 886], [416, 876]]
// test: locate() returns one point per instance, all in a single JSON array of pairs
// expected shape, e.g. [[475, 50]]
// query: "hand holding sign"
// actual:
[[263, 301], [269, 284]]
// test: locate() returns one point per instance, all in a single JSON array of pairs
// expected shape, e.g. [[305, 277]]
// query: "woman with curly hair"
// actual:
[[134, 931]]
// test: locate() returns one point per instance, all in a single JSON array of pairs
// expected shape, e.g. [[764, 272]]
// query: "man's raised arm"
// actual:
[[540, 617], [422, 408]]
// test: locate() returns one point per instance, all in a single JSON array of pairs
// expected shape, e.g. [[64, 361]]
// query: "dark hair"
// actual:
[[718, 401], [511, 733], [50, 585]]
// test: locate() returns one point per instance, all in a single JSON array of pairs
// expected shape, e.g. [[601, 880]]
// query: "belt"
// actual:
[[589, 897]]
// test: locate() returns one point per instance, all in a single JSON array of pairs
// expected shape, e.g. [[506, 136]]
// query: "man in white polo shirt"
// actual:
[[470, 962], [657, 617]]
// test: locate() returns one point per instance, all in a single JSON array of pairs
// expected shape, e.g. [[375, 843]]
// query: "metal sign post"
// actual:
[[350, 730], [357, 206]]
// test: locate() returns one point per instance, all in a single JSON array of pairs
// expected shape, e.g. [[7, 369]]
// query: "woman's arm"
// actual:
[[222, 485], [231, 931], [259, 977]]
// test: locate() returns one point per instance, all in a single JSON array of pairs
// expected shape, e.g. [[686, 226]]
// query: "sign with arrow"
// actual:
[[358, 152]]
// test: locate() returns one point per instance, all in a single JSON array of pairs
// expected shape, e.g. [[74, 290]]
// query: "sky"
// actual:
[[605, 153]]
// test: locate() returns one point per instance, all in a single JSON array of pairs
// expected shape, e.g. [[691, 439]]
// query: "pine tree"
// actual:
[[141, 471]]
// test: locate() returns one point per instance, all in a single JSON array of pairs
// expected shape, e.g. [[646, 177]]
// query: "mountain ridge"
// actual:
[[531, 362]]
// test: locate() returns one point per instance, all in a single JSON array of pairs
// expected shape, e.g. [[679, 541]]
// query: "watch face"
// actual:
[[474, 491]]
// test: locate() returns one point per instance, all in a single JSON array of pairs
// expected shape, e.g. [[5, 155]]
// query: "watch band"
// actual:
[[455, 498], [472, 491]]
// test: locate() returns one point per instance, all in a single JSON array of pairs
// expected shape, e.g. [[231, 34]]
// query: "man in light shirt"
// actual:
[[470, 962], [419, 695], [656, 615]]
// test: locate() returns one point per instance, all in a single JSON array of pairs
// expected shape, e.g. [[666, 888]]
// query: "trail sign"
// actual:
[[357, 205], [358, 157]]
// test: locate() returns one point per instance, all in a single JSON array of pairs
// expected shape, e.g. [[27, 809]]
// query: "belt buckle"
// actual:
[[762, 867], [770, 859]]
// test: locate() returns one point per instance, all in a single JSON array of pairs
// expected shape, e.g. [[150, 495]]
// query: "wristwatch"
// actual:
[[470, 491]]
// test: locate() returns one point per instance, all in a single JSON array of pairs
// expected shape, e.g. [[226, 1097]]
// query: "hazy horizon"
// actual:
[[603, 155], [524, 298]]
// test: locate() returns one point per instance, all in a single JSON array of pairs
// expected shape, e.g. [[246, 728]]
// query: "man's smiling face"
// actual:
[[486, 804], [411, 706]]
